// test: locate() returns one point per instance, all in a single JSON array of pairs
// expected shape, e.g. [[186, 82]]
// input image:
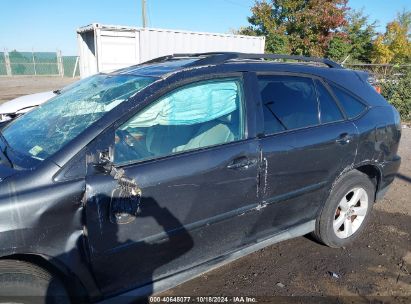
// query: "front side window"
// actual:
[[45, 130], [195, 116], [288, 103]]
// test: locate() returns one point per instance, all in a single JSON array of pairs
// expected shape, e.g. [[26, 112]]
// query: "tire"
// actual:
[[23, 282], [346, 211]]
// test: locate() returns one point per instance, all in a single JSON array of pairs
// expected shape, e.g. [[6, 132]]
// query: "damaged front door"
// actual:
[[181, 190]]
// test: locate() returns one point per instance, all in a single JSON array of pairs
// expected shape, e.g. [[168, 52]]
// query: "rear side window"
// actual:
[[288, 103], [328, 108], [351, 105]]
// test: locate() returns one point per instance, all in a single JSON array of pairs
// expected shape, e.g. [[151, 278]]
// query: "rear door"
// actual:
[[306, 143], [191, 157]]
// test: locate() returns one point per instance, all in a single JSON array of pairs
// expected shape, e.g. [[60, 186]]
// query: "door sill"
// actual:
[[174, 280]]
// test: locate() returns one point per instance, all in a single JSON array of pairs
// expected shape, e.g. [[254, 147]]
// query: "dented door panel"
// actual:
[[193, 208], [299, 167]]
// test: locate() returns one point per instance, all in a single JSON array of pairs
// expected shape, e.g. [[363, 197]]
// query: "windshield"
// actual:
[[45, 130], [72, 85]]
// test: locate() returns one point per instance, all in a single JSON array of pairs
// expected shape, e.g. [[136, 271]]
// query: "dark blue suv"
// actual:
[[137, 180]]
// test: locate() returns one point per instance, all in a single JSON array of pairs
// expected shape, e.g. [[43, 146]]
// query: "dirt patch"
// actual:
[[13, 87], [375, 265]]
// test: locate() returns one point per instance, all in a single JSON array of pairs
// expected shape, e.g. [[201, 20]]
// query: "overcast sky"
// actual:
[[47, 25]]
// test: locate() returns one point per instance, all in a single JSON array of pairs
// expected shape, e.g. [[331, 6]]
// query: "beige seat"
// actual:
[[161, 140], [209, 134]]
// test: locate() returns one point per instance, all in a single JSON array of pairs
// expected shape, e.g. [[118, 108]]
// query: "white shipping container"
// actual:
[[104, 48]]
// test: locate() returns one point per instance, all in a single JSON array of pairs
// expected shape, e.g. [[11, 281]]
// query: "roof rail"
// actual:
[[207, 58], [328, 62], [222, 57]]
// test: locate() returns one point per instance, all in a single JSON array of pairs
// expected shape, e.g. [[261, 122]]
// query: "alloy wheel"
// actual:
[[350, 213]]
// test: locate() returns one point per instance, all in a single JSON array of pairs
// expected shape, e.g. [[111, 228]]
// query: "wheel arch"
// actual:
[[362, 176], [374, 173], [72, 283], [371, 170]]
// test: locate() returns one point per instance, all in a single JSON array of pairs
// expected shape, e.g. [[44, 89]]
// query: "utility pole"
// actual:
[[144, 12]]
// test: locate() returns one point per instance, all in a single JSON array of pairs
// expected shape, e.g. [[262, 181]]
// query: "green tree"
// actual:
[[398, 93], [339, 48], [360, 34], [355, 39], [301, 27]]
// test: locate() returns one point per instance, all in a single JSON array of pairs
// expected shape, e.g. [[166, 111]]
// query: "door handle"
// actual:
[[343, 139], [241, 163]]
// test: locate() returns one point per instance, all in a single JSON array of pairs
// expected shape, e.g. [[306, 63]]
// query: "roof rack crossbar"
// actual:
[[222, 57]]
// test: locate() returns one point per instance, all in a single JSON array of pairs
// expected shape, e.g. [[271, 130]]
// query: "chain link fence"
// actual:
[[16, 63], [393, 82], [3, 70]]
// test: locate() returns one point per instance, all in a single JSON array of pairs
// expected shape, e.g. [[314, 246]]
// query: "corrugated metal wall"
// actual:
[[87, 52], [106, 48], [155, 43]]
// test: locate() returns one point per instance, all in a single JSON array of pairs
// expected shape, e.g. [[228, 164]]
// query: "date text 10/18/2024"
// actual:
[[206, 299]]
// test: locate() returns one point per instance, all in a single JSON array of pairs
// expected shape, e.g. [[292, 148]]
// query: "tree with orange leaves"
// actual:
[[301, 27]]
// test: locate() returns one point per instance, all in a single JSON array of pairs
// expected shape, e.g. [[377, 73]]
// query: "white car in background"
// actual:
[[18, 106], [11, 109]]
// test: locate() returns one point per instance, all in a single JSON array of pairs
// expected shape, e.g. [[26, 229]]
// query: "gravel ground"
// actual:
[[377, 264], [13, 87]]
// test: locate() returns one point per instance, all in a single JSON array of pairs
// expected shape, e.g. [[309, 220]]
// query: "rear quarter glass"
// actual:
[[351, 105]]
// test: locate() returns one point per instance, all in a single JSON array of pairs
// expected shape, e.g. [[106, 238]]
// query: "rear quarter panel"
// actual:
[[378, 141]]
